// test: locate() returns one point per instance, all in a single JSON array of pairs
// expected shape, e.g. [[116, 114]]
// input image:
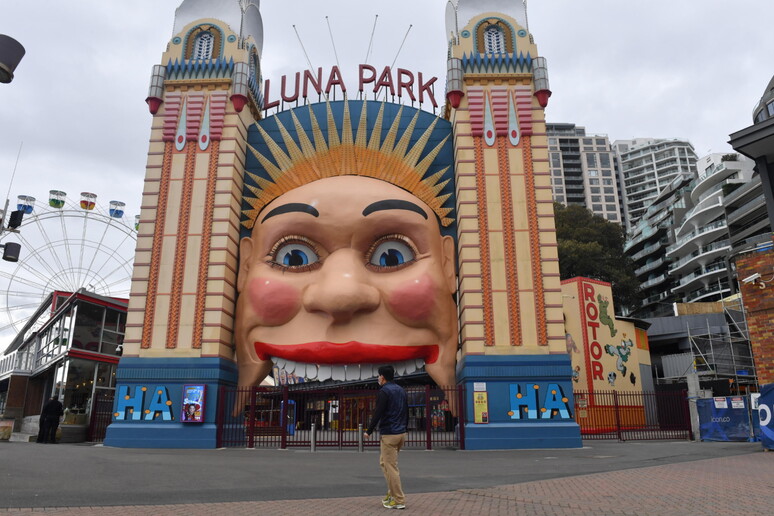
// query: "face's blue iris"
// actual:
[[391, 253], [296, 255], [295, 258]]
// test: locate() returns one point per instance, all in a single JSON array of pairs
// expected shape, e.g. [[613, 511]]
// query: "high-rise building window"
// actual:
[[591, 160], [203, 46], [494, 40], [604, 160]]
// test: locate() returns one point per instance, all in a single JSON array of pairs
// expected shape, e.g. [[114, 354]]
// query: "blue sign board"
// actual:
[[766, 416]]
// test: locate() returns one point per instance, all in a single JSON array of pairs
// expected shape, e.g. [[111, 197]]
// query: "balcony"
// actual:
[[716, 270], [715, 226], [701, 214], [702, 254], [704, 293], [650, 266], [656, 298], [16, 362], [655, 281]]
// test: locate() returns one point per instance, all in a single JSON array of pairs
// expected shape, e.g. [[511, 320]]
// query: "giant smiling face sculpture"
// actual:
[[345, 273]]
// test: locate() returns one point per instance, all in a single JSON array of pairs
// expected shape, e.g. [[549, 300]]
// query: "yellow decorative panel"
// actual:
[[528, 318]]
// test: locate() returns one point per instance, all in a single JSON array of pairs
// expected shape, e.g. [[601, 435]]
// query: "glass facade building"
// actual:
[[69, 349]]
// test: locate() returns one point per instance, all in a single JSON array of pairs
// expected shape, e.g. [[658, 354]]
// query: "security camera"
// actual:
[[751, 279]]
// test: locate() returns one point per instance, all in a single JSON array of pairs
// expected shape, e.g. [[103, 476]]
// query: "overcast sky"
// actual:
[[679, 68]]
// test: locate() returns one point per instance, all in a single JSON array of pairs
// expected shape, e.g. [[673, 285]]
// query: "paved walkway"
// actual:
[[728, 485]]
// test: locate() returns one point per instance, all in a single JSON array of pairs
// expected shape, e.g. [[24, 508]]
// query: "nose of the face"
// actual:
[[342, 289]]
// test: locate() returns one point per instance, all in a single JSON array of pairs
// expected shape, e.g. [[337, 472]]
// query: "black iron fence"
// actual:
[[628, 416], [333, 417]]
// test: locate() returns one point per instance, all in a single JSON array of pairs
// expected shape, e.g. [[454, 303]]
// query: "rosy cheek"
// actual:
[[413, 300], [274, 302]]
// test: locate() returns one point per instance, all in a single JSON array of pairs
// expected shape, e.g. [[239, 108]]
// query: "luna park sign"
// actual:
[[398, 82]]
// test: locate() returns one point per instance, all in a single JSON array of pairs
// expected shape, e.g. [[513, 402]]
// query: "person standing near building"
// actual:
[[391, 414], [49, 420]]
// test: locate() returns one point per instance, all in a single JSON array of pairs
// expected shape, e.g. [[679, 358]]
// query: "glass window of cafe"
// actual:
[[98, 329], [84, 381]]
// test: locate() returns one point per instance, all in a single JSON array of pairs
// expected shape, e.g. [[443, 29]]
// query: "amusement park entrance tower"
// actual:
[[203, 97], [472, 187], [510, 301]]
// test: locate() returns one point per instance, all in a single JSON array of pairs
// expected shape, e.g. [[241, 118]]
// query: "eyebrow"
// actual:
[[292, 208], [393, 204]]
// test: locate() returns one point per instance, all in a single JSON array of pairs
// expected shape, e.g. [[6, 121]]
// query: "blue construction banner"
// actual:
[[724, 419], [766, 415]]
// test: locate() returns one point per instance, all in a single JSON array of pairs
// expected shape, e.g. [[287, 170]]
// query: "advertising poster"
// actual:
[[480, 407], [193, 404]]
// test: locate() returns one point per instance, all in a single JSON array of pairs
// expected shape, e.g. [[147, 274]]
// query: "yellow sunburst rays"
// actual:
[[351, 154]]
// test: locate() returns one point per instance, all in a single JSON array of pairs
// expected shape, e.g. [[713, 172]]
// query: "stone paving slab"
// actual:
[[734, 485]]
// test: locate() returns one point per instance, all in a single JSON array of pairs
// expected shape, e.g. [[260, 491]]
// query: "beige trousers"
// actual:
[[389, 446]]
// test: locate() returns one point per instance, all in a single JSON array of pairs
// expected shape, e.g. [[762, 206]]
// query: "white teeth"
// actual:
[[340, 372], [290, 367], [324, 372], [353, 372]]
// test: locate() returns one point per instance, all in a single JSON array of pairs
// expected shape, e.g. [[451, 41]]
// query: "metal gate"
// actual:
[[628, 416], [300, 416], [101, 415]]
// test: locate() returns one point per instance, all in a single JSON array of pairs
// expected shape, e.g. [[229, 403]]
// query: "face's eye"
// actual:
[[391, 252], [294, 255]]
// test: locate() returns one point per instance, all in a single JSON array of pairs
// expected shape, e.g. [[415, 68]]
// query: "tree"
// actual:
[[592, 246]]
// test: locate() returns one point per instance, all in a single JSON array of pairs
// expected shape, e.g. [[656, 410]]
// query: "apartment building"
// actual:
[[583, 170], [647, 166]]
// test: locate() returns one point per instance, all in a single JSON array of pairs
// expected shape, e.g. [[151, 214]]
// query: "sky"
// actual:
[[690, 69]]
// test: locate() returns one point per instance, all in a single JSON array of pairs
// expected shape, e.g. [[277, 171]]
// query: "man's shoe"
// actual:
[[386, 500], [392, 504]]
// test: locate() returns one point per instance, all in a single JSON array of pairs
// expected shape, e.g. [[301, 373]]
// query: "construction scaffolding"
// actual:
[[725, 354]]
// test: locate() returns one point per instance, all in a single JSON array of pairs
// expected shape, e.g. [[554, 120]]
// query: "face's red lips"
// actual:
[[352, 352]]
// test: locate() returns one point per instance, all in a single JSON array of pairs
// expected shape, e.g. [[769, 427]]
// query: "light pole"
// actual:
[[11, 53]]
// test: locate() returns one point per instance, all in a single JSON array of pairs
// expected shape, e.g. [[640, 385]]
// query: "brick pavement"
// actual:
[[724, 486]]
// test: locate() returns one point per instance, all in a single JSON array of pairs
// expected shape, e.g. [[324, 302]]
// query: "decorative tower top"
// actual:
[[242, 16], [460, 12]]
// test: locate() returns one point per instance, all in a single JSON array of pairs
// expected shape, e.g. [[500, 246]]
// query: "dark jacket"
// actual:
[[52, 409], [391, 410]]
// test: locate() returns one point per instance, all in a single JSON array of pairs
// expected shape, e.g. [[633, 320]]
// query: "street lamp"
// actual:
[[11, 53]]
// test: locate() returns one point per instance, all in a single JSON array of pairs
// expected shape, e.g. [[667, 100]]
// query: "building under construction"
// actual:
[[710, 339]]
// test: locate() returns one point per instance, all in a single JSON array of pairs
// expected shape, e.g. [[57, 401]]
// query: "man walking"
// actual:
[[391, 414], [49, 420]]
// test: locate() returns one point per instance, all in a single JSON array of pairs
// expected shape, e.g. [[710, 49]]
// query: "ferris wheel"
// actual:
[[65, 246]]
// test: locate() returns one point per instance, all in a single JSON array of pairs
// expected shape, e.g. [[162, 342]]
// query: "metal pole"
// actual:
[[617, 416], [428, 419], [360, 437], [284, 418], [313, 438]]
